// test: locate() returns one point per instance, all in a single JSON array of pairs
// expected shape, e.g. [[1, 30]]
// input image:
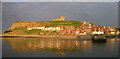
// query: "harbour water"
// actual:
[[38, 47]]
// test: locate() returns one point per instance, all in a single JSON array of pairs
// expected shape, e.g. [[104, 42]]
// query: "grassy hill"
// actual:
[[52, 23], [20, 27]]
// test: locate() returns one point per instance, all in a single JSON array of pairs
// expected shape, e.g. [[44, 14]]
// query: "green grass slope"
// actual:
[[20, 27], [52, 23]]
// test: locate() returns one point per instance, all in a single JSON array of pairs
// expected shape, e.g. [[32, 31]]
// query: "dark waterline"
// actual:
[[38, 47]]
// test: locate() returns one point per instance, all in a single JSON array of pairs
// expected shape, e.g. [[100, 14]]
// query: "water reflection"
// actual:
[[111, 43], [24, 45]]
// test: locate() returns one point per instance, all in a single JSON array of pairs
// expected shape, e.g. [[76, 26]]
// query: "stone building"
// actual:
[[62, 18]]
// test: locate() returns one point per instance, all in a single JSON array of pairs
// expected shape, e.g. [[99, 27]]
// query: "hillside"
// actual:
[[20, 27], [17, 24]]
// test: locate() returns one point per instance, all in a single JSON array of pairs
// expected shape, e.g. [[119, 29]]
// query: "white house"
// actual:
[[97, 32], [89, 25], [34, 28], [29, 28], [118, 32], [76, 32], [43, 27], [84, 33], [84, 22], [50, 28], [111, 29], [57, 28]]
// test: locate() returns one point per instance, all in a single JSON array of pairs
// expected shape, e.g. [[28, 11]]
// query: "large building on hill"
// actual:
[[62, 18]]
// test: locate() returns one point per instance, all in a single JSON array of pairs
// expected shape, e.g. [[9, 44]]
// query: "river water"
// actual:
[[39, 47]]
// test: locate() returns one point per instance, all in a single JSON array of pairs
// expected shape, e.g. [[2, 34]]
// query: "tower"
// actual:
[[62, 18]]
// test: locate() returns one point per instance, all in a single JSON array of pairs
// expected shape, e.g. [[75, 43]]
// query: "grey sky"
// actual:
[[102, 13], [0, 31], [60, 0]]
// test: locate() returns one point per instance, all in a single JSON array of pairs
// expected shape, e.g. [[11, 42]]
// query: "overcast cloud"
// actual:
[[60, 0], [104, 13]]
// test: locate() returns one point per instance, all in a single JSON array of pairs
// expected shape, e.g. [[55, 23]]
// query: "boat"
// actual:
[[84, 37], [98, 37]]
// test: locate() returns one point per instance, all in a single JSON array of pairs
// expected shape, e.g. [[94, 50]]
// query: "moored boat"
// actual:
[[97, 37], [84, 37]]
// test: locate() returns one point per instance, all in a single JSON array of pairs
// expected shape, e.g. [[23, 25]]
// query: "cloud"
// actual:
[[94, 12], [61, 0]]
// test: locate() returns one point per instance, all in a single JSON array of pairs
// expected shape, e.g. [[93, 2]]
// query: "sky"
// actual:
[[0, 21], [99, 13], [60, 0]]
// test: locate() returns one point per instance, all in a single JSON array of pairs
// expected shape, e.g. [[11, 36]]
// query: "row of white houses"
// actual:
[[45, 28], [97, 32], [77, 32], [102, 32]]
